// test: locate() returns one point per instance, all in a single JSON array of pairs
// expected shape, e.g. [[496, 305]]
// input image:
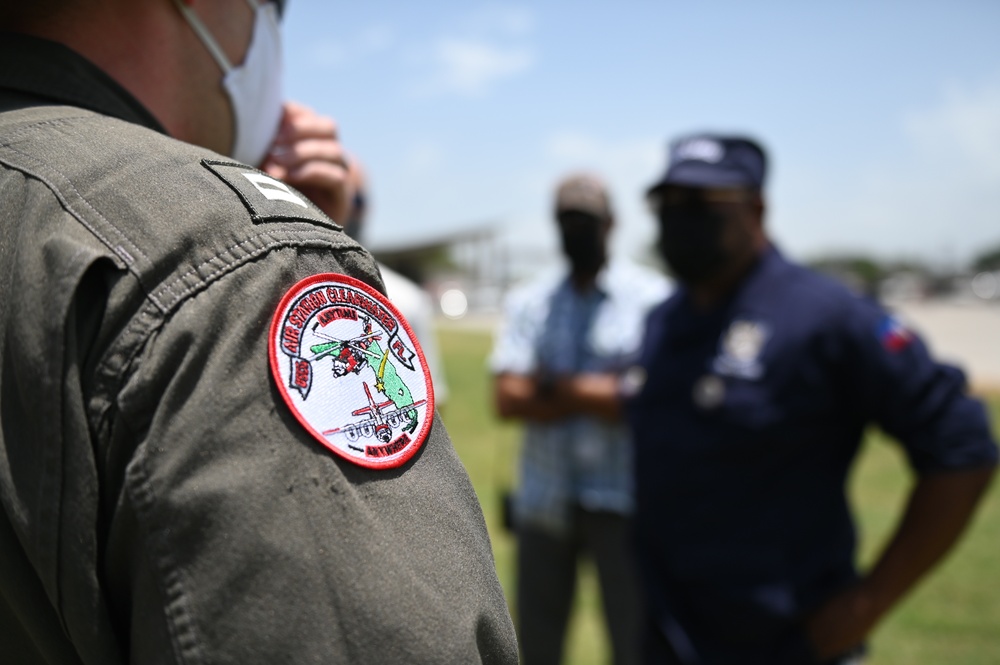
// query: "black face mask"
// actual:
[[582, 242], [691, 241]]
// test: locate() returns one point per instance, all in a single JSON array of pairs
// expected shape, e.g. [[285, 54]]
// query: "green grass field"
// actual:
[[952, 618]]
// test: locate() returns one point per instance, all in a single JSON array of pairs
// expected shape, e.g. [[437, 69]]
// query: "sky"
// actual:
[[881, 119]]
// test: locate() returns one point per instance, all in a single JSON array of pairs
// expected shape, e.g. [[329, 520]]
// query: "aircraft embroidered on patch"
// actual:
[[350, 369]]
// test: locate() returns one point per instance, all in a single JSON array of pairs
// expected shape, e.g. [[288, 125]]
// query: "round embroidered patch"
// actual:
[[351, 370]]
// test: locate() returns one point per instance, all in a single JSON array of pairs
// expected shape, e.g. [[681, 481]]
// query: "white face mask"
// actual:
[[254, 88]]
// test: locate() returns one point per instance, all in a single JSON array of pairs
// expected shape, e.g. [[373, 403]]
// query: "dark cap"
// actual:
[[583, 192], [711, 160]]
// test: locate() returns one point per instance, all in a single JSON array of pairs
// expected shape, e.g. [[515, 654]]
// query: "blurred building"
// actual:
[[465, 271]]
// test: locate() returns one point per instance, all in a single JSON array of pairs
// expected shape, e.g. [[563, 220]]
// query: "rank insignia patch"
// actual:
[[350, 369], [267, 199]]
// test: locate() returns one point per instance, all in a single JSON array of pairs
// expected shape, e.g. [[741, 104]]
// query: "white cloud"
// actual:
[[371, 41], [483, 48], [376, 39], [964, 130], [422, 157], [936, 200], [499, 19], [330, 54], [470, 67], [633, 156]]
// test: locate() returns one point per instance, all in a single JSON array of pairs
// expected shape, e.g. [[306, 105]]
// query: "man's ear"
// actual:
[[759, 207]]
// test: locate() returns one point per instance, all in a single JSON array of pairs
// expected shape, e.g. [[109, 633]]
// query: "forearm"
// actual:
[[591, 394], [530, 398], [520, 396], [938, 510]]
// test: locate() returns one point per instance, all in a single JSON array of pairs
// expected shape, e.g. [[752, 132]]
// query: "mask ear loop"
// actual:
[[206, 37]]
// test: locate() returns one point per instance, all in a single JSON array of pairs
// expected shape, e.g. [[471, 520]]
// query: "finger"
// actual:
[[308, 150], [326, 176], [273, 169], [328, 188], [291, 112], [297, 126], [326, 185], [294, 108]]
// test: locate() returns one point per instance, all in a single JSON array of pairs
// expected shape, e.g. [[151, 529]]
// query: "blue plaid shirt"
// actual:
[[548, 326]]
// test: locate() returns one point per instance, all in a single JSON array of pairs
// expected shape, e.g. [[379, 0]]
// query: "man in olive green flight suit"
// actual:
[[160, 502]]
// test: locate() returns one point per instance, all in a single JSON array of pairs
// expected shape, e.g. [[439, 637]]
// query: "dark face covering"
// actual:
[[691, 241], [582, 241]]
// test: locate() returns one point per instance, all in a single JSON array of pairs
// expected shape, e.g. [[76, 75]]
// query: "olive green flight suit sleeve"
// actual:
[[239, 539]]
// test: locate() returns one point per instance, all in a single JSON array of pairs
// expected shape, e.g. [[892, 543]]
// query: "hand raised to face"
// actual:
[[307, 154]]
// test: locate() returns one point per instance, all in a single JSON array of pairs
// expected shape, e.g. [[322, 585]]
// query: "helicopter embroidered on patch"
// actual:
[[351, 370]]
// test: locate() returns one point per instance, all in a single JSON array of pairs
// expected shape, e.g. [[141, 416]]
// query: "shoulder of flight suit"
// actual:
[[171, 217], [225, 532]]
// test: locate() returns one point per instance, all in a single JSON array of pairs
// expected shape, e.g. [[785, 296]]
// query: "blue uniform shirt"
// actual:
[[745, 428]]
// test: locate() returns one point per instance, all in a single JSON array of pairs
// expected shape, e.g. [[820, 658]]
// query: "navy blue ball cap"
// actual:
[[714, 161]]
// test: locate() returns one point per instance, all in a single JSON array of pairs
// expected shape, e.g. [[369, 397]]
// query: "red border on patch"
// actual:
[[294, 385]]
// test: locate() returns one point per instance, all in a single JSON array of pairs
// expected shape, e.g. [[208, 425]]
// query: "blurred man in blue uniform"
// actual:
[[756, 383]]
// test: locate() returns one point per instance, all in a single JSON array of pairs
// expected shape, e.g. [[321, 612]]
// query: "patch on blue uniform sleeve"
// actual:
[[350, 369], [893, 335]]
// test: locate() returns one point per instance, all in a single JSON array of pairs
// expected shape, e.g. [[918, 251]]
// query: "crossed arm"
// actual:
[[545, 399]]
